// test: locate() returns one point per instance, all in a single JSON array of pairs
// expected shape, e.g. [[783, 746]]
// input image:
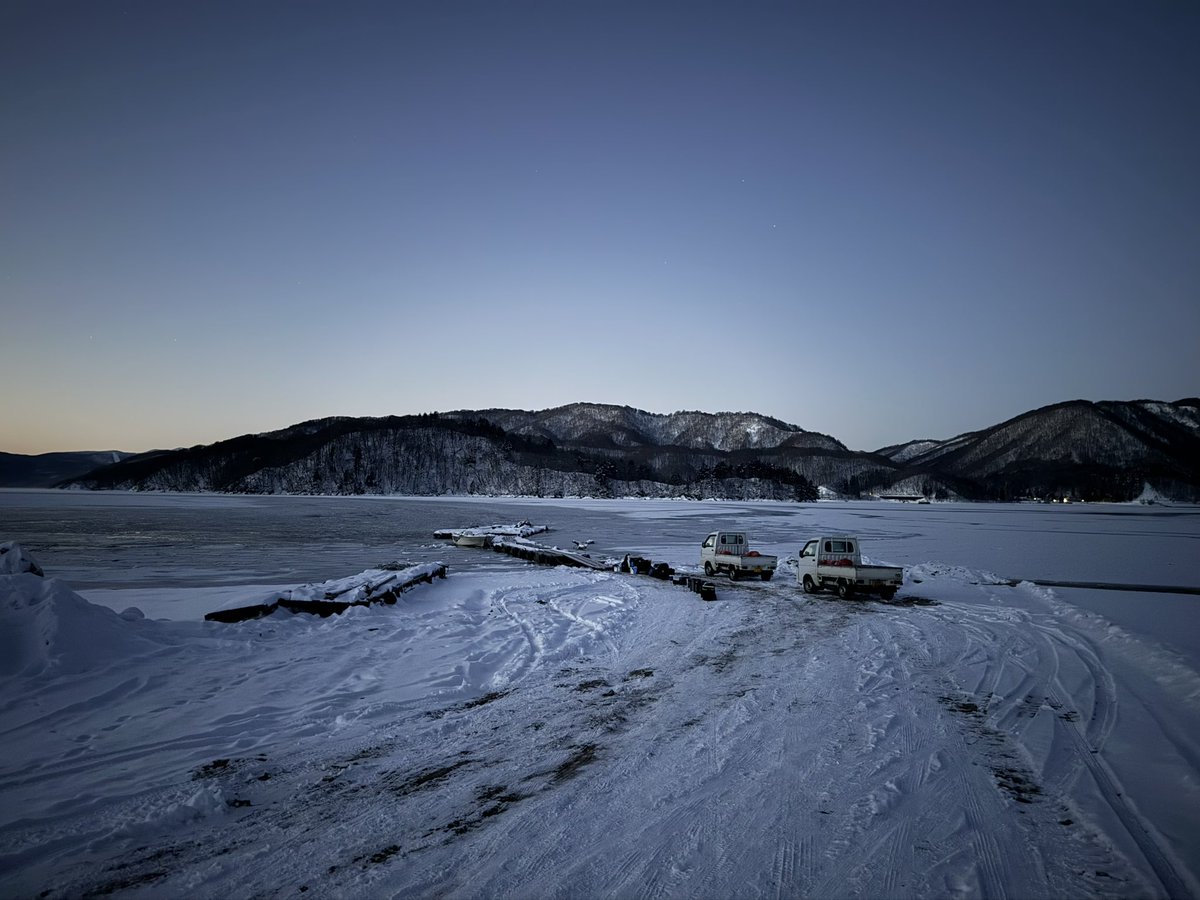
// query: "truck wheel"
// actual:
[[733, 573], [810, 586], [887, 594], [766, 576], [845, 590], [708, 569]]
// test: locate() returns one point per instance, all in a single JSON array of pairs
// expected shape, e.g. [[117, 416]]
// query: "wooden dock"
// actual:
[[517, 530], [548, 556], [374, 586], [631, 564], [520, 548]]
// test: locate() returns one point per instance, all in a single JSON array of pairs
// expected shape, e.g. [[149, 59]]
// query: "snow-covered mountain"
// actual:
[[600, 425], [47, 469], [1080, 449], [447, 454]]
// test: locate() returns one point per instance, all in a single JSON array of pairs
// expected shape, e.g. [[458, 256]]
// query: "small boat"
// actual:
[[466, 539]]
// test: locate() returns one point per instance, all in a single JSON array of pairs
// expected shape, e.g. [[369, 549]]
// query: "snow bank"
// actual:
[[941, 573], [46, 628], [15, 559]]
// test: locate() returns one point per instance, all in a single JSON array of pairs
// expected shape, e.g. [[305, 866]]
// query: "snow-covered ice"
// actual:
[[517, 530], [524, 731]]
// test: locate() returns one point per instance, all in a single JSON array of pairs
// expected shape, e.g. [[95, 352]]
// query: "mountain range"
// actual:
[[18, 470], [1109, 450]]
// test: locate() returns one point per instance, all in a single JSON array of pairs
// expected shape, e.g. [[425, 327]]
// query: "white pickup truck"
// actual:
[[728, 552], [835, 562]]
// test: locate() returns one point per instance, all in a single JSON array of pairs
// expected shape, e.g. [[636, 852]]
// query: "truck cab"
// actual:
[[725, 543], [832, 551]]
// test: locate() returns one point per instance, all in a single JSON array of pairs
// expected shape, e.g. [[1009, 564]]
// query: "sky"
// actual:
[[882, 221]]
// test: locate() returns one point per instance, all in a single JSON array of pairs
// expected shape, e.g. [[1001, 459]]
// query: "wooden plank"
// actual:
[[376, 586]]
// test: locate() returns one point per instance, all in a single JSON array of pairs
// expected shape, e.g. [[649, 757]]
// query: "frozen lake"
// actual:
[[134, 540]]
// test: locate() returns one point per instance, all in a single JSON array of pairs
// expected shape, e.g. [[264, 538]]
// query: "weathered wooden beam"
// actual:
[[322, 599]]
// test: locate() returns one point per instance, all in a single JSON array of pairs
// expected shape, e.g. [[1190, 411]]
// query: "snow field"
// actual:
[[524, 731]]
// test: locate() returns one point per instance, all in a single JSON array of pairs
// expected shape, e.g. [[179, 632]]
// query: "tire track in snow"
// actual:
[[1013, 688], [915, 796], [1164, 869], [1086, 744], [534, 646], [792, 866], [783, 868], [600, 631], [904, 789], [1104, 703], [671, 864], [550, 628], [1059, 651], [987, 852]]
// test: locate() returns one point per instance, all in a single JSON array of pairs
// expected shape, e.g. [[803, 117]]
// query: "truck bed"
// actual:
[[877, 573], [758, 561]]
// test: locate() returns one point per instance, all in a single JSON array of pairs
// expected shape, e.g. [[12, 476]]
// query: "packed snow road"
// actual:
[[519, 731]]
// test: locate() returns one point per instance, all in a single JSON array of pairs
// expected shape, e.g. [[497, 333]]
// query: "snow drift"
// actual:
[[46, 628]]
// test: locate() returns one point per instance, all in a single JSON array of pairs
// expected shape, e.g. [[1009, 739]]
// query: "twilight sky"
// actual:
[[877, 220]]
